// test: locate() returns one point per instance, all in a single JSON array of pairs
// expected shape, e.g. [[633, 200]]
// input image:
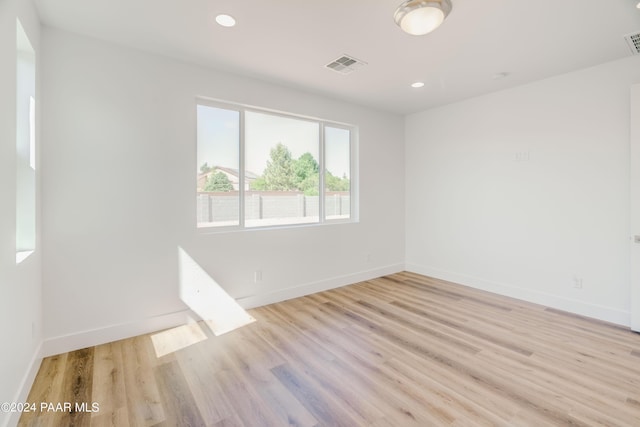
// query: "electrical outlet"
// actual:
[[577, 282]]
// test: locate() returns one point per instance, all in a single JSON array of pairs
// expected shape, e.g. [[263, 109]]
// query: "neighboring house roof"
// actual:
[[231, 173], [234, 172]]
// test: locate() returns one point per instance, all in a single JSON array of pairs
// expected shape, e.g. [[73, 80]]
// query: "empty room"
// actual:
[[319, 213]]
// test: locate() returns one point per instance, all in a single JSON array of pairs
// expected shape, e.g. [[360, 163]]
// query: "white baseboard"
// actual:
[[25, 385], [608, 314], [319, 286], [89, 338]]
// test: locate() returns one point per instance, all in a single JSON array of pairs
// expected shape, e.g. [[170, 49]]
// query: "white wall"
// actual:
[[119, 194], [20, 284], [523, 191], [634, 211]]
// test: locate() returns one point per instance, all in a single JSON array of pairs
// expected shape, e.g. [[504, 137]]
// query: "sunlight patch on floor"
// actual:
[[175, 339]]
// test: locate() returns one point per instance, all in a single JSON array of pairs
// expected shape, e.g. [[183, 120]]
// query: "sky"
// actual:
[[219, 135]]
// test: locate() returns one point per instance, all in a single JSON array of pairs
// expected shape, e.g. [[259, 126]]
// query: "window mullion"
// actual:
[[241, 172], [321, 190]]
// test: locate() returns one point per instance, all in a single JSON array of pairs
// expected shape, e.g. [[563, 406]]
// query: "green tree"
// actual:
[[310, 185], [283, 173], [218, 181], [258, 184], [333, 183], [306, 174], [278, 175], [205, 168]]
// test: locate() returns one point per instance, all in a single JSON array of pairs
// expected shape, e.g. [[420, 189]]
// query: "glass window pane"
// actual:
[[25, 145], [281, 163], [337, 179], [218, 199]]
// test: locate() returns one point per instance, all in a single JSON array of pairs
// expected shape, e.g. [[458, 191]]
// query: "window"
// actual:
[[25, 145], [257, 168], [337, 178]]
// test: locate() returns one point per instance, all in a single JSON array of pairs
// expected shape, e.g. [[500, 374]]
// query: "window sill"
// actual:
[[203, 228], [22, 255]]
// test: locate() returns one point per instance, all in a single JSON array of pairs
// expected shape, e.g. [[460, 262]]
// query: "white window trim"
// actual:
[[322, 221]]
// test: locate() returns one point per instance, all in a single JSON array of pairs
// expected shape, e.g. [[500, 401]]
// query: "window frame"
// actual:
[[26, 140], [242, 109]]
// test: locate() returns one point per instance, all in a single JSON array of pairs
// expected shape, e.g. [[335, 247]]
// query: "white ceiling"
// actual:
[[289, 41]]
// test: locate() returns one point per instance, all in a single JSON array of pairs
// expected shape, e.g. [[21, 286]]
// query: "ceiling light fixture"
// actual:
[[417, 85], [498, 76], [226, 20], [419, 17]]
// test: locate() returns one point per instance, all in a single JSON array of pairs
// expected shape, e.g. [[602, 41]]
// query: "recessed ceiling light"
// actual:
[[638, 5], [417, 84], [226, 20], [498, 76]]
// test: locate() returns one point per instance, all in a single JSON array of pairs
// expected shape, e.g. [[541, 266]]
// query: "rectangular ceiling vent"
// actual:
[[633, 40], [345, 64]]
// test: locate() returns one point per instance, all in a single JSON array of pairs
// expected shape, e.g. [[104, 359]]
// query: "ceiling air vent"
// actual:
[[345, 64], [633, 40]]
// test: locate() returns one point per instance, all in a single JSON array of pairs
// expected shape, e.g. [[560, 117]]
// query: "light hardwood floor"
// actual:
[[402, 350]]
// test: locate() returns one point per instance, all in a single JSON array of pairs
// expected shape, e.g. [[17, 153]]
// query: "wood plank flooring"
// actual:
[[402, 350]]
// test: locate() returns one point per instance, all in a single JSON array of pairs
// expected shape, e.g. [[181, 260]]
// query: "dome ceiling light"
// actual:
[[419, 17], [226, 20]]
